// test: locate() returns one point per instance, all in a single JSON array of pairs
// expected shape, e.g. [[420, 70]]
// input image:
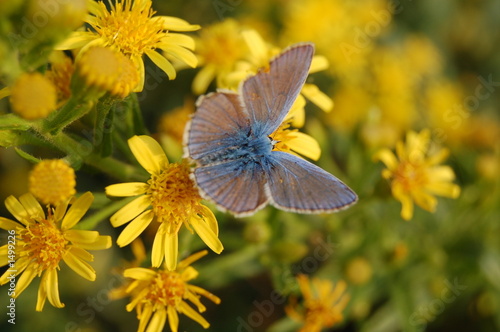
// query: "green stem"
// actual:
[[103, 213], [74, 109]]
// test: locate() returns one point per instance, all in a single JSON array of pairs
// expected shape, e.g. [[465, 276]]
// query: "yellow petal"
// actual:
[[163, 63], [188, 311], [181, 54], [126, 189], [424, 200], [178, 39], [77, 264], [203, 78], [171, 251], [209, 218], [387, 157], [441, 173], [146, 314], [444, 189], [215, 299], [305, 145], [148, 153], [176, 24], [52, 287], [139, 273], [158, 250], [77, 210], [158, 321], [317, 97], [24, 280], [19, 266], [4, 260], [137, 60], [33, 208], [42, 297], [319, 63], [135, 228], [173, 318], [102, 242], [130, 211], [256, 44], [61, 210], [207, 235], [8, 224], [191, 259], [81, 236], [76, 40]]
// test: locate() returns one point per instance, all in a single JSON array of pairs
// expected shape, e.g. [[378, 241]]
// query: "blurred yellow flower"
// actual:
[[219, 47], [60, 72], [42, 241], [33, 96], [131, 27], [52, 181], [161, 295], [415, 177], [169, 197], [322, 306]]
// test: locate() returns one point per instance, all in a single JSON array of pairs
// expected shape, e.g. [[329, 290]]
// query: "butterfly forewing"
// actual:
[[269, 95], [215, 127]]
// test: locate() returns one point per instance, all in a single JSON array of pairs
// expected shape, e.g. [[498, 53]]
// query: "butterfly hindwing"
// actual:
[[295, 184], [269, 95], [234, 185]]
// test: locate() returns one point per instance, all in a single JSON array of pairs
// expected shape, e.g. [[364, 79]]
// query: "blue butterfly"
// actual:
[[228, 138]]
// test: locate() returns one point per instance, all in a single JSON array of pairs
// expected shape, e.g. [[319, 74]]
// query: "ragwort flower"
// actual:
[[323, 304], [168, 197], [131, 28], [159, 295], [42, 241], [416, 177], [52, 181]]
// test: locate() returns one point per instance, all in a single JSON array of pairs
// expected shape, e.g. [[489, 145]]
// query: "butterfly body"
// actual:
[[229, 138]]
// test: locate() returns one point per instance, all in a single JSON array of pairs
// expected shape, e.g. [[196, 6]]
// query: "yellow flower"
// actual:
[[322, 305], [52, 181], [159, 295], [33, 96], [219, 47], [42, 241], [60, 72], [105, 70], [169, 197], [131, 28], [416, 177], [294, 142]]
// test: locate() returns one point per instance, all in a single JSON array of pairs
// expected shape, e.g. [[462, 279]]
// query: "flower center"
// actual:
[[167, 289], [410, 175], [129, 27], [282, 136], [44, 244], [173, 194]]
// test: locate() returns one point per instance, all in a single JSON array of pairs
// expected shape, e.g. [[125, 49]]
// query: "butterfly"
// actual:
[[236, 165]]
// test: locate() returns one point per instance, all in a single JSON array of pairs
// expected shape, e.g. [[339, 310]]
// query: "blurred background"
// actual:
[[394, 66]]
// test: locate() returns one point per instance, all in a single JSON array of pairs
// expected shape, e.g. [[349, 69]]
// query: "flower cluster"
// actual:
[[96, 99]]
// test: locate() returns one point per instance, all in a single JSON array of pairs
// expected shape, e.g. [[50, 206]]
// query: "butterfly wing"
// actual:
[[269, 95], [236, 186], [218, 125], [294, 184]]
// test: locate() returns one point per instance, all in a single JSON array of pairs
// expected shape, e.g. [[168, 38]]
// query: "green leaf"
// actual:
[[27, 156], [13, 122]]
